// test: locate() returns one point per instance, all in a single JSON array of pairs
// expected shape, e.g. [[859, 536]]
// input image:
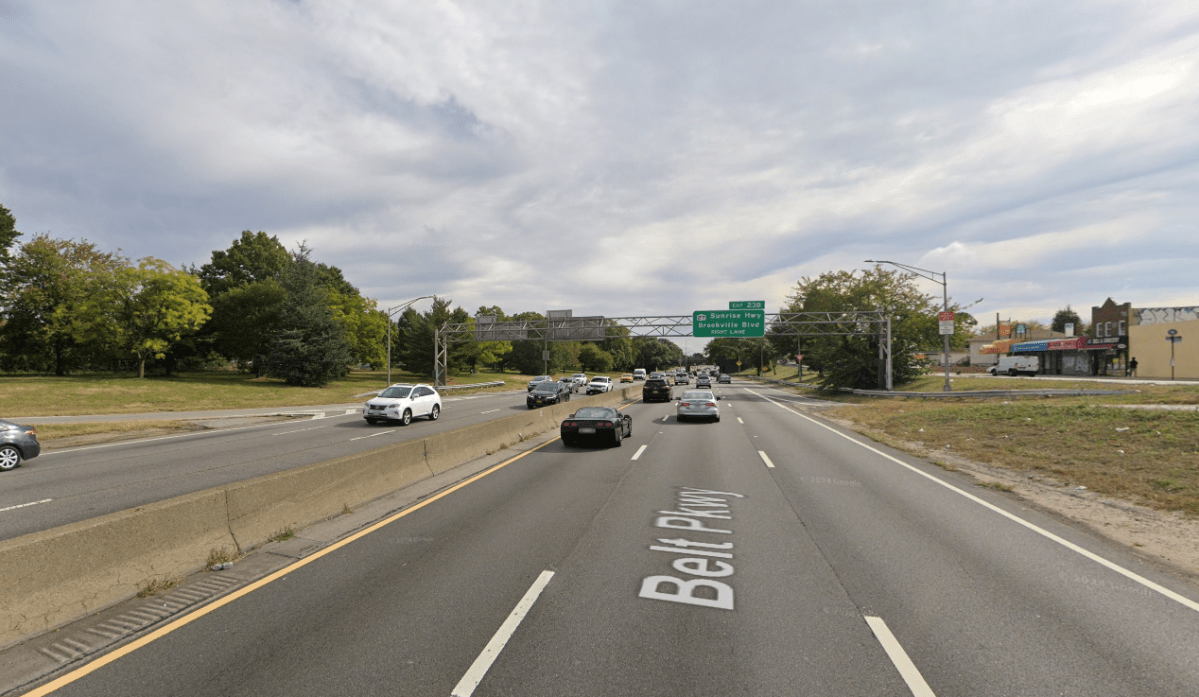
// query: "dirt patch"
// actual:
[[1166, 537]]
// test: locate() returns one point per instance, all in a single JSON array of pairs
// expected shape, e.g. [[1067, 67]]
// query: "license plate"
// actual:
[[587, 429]]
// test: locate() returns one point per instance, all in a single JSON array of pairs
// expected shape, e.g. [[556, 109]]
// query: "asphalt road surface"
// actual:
[[77, 483], [767, 554]]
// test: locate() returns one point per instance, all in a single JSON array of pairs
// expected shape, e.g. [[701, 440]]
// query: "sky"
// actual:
[[623, 158]]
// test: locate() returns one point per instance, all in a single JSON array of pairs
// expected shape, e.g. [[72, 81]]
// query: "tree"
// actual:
[[653, 354], [243, 284], [8, 234], [1068, 316], [853, 361], [52, 318], [593, 359], [156, 305], [310, 348], [252, 258]]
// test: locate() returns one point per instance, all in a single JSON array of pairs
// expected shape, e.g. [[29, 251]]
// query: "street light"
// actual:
[[932, 276], [391, 311]]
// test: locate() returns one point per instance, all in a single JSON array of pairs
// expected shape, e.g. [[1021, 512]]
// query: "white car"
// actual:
[[580, 379], [403, 403], [598, 384]]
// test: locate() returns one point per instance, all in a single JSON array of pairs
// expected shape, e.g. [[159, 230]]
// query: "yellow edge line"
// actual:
[[216, 605]]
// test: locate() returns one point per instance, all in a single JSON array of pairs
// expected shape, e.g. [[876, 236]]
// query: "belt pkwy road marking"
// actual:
[[695, 508]]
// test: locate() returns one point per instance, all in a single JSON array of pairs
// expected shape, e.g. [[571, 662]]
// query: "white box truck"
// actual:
[[1016, 365]]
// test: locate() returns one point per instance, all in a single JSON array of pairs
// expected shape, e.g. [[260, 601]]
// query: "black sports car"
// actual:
[[548, 393], [601, 424]]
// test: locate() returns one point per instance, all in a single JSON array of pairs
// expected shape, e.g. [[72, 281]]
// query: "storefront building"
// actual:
[[1110, 322], [1080, 355]]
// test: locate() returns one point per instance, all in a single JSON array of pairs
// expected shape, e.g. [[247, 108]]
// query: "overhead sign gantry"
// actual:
[[561, 325]]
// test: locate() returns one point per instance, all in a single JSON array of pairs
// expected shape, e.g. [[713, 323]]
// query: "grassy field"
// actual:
[[109, 394]]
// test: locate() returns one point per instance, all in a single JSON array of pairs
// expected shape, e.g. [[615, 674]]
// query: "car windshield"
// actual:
[[600, 379], [541, 378], [596, 413], [698, 395], [396, 392]]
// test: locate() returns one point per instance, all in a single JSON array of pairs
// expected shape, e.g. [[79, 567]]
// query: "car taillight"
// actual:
[[710, 404], [606, 424], [684, 404]]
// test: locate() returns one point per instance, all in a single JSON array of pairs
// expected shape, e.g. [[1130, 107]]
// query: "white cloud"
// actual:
[[619, 156]]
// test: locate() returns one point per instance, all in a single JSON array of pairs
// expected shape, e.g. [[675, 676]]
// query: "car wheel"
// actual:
[[406, 418], [435, 414], [619, 437], [1011, 372], [10, 457], [372, 422]]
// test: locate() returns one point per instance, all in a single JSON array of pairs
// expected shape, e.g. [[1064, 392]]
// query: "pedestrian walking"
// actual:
[[1132, 367]]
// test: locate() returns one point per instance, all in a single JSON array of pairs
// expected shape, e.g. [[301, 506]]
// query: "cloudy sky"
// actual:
[[623, 158]]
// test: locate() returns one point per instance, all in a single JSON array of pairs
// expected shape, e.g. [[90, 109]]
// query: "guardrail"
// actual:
[[474, 386]]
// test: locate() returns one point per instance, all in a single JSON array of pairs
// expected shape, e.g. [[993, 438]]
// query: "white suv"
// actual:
[[598, 384], [403, 403], [580, 380]]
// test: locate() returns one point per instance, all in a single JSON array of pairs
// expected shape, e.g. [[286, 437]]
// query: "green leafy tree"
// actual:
[[8, 235], [310, 349], [247, 296], [51, 319], [1068, 316], [653, 354], [594, 359], [156, 305], [853, 361], [619, 345]]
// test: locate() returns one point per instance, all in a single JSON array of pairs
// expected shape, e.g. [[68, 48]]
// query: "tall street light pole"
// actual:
[[932, 276], [391, 311]]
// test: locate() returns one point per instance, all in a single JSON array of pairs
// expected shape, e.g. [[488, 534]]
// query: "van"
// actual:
[[1015, 365], [639, 374]]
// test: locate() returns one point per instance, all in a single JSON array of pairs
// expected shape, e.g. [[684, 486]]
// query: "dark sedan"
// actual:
[[17, 443], [548, 393], [601, 424], [655, 390]]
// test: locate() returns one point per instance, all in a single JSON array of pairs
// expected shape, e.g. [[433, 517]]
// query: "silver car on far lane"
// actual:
[[698, 404]]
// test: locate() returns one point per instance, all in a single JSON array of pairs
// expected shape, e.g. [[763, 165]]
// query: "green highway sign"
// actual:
[[728, 323], [747, 304]]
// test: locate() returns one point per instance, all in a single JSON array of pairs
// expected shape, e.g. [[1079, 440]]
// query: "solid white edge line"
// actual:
[[907, 670], [766, 458], [639, 451], [1137, 578], [474, 675]]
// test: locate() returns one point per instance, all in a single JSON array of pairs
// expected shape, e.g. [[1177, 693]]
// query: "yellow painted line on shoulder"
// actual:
[[129, 648]]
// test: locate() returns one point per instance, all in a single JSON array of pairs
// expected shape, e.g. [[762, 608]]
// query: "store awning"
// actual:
[[1078, 343]]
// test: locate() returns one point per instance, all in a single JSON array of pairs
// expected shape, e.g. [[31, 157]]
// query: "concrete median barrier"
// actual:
[[261, 507], [63, 574]]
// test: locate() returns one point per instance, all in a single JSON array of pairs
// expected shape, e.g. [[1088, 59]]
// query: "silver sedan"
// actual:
[[698, 404]]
